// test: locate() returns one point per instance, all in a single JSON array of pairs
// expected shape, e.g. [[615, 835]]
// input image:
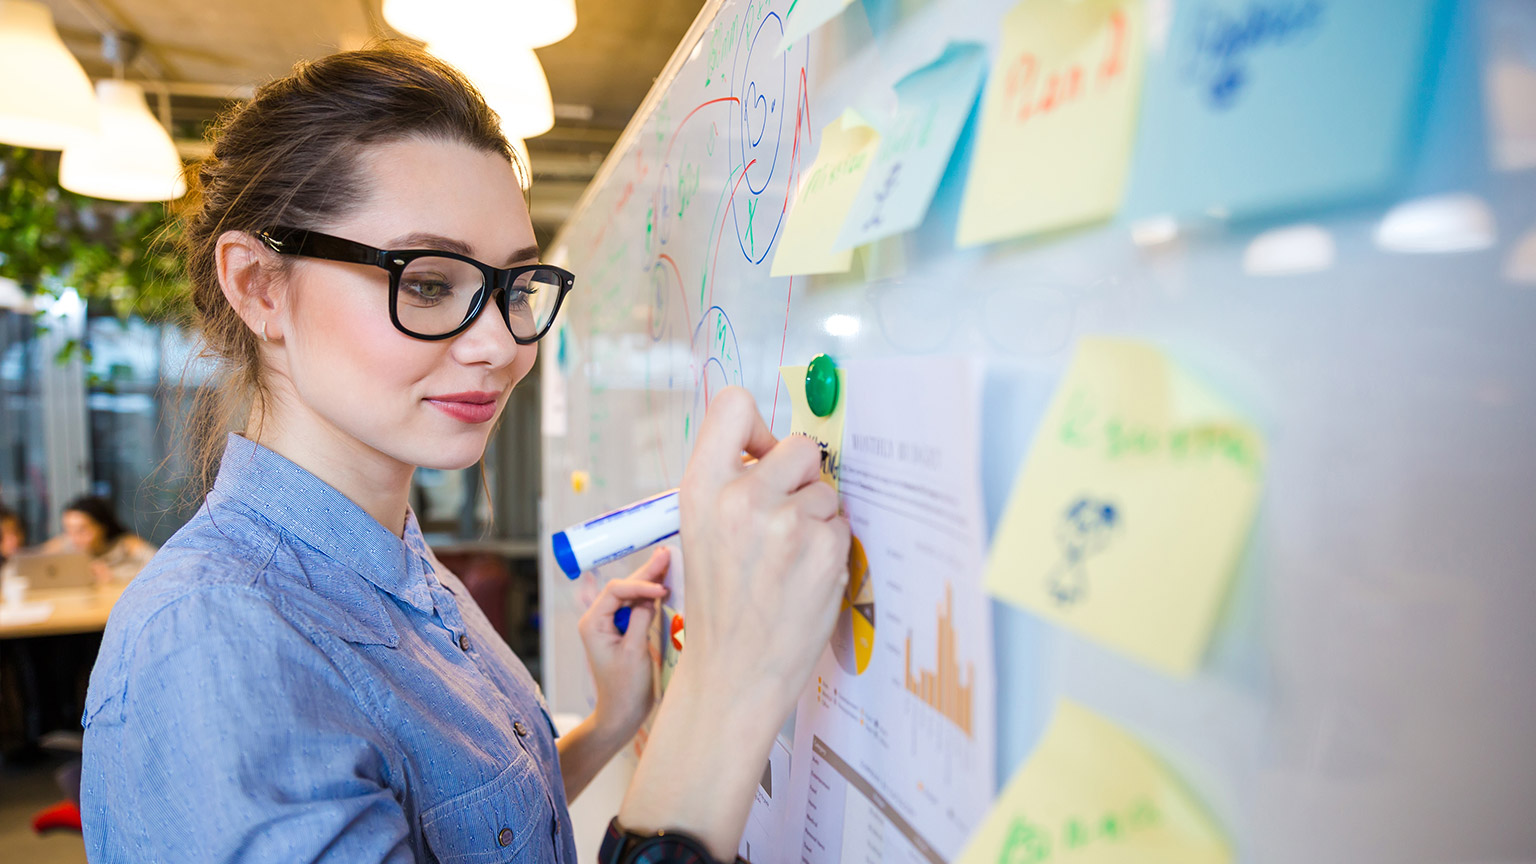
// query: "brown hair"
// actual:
[[290, 156]]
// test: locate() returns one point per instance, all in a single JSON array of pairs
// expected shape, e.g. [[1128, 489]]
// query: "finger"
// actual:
[[655, 567], [620, 592], [791, 465], [639, 632], [627, 591], [816, 500], [731, 425]]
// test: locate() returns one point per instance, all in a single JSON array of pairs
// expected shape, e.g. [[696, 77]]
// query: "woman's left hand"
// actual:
[[621, 662]]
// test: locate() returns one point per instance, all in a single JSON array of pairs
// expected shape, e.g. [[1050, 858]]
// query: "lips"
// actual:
[[475, 406]]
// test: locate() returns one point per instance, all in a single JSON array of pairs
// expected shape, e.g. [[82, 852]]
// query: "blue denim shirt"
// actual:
[[289, 681]]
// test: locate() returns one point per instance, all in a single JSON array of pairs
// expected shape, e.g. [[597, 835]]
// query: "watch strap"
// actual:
[[621, 846]]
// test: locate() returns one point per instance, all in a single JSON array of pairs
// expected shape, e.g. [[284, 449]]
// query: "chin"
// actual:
[[447, 455], [449, 461]]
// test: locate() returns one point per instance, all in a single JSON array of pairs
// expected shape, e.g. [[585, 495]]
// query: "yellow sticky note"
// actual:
[[1090, 794], [1057, 120], [824, 197], [826, 431], [1132, 507]]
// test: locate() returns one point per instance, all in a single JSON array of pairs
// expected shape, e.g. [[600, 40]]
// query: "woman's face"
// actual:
[[429, 404], [11, 538], [82, 532]]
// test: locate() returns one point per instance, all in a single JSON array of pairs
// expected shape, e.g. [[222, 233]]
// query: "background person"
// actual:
[[91, 526], [12, 535]]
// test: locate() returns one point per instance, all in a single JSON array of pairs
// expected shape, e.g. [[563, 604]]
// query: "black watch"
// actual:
[[659, 847]]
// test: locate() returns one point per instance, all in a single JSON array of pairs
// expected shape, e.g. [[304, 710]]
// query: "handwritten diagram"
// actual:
[[1086, 528]]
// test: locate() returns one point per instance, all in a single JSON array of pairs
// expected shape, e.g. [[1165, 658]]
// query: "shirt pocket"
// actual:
[[507, 819]]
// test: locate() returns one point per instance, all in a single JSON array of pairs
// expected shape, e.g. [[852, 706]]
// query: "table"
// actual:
[[75, 610]]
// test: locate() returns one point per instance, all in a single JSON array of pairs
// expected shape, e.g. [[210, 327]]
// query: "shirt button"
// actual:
[[520, 729], [557, 824], [464, 642], [505, 837]]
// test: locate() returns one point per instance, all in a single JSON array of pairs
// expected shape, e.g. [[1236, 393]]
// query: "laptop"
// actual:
[[50, 570]]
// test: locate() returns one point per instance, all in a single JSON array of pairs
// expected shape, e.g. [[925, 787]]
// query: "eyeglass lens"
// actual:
[[436, 295]]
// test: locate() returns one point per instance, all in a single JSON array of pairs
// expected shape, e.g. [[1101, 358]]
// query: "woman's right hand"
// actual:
[[767, 560], [767, 555]]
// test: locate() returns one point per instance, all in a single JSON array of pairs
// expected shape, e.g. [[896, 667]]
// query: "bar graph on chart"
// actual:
[[942, 688]]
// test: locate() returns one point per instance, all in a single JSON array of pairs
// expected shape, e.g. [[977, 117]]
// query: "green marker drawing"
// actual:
[[751, 214]]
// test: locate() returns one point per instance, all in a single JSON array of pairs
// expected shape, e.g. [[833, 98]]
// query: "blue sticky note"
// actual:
[[1258, 107], [915, 145]]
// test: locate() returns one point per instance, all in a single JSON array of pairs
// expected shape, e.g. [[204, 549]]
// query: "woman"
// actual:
[[294, 677], [91, 526], [12, 535]]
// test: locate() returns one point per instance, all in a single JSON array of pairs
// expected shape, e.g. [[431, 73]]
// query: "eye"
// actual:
[[522, 296], [427, 289]]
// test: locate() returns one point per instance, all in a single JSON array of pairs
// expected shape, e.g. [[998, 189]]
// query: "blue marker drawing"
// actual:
[[1260, 108], [1086, 529], [1223, 40]]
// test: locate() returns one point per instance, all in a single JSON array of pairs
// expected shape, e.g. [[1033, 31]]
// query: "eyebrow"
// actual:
[[437, 242]]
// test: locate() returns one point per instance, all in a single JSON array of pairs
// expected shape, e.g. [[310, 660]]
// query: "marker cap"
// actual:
[[564, 556]]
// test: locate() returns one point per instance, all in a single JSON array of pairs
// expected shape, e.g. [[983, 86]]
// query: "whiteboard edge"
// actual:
[[659, 87]]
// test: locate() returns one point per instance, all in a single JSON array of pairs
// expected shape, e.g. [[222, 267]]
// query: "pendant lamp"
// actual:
[[511, 80], [45, 97], [533, 23], [132, 158]]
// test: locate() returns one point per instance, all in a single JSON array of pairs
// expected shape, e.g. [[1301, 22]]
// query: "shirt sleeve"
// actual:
[[235, 737]]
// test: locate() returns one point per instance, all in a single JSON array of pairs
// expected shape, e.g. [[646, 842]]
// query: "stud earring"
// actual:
[[263, 331]]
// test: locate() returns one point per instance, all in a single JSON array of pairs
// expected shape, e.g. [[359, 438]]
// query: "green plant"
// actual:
[[118, 255]]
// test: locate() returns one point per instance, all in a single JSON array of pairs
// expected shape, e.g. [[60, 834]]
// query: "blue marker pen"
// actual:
[[613, 535]]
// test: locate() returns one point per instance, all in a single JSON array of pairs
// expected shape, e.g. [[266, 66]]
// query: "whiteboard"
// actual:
[[1370, 693]]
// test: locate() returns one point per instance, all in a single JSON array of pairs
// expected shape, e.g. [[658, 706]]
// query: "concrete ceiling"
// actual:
[[205, 53]]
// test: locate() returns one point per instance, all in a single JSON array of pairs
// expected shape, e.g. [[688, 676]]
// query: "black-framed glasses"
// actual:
[[434, 294]]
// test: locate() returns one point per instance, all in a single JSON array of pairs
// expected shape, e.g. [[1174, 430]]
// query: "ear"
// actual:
[[246, 274]]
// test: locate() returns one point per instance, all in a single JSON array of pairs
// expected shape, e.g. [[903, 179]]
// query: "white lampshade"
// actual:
[[131, 159], [45, 97], [511, 80], [532, 23]]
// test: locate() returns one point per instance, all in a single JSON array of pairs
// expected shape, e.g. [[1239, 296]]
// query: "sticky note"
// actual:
[[1264, 107], [915, 146], [804, 16], [1091, 794], [826, 431], [1057, 119], [825, 193], [1132, 507]]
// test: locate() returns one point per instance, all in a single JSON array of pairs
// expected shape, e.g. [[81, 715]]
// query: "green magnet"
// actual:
[[821, 385]]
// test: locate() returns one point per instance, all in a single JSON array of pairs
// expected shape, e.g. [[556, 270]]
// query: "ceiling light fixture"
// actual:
[[511, 80], [532, 23], [132, 158], [45, 97]]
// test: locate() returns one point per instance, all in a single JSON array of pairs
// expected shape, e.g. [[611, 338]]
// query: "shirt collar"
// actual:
[[301, 504]]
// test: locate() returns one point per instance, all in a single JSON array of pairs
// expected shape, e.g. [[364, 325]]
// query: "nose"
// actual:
[[488, 341]]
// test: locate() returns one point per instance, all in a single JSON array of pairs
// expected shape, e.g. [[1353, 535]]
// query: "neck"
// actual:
[[374, 481]]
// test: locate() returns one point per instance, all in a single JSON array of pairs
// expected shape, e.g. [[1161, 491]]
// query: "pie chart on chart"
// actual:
[[853, 641]]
